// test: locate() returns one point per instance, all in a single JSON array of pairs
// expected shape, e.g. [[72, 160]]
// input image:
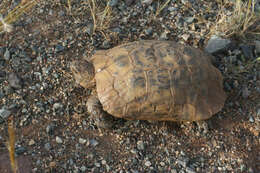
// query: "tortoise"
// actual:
[[151, 80]]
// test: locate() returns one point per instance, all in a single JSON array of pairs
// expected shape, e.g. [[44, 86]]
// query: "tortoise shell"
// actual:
[[158, 80]]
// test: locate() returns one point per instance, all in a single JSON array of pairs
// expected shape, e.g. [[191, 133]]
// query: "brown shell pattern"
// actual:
[[158, 80]]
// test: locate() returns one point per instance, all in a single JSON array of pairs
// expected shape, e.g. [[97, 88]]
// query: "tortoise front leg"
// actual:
[[101, 118]]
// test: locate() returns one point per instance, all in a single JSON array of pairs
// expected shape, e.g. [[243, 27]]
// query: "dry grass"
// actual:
[[160, 7], [101, 15], [14, 14], [11, 145], [5, 26], [244, 22]]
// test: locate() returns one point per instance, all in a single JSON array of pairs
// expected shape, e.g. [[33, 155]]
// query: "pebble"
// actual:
[[47, 146], [251, 119], [58, 140], [247, 51], [113, 3], [148, 163], [14, 81], [82, 141], [89, 28], [190, 170], [106, 44], [57, 106], [257, 46], [173, 171], [4, 113], [129, 2], [183, 162], [31, 142], [97, 164], [149, 31], [217, 44], [2, 51], [59, 48], [83, 168], [258, 112], [93, 142], [147, 2], [52, 164], [50, 128], [245, 92], [20, 150], [7, 55], [162, 163], [189, 20], [140, 145], [185, 37], [164, 36]]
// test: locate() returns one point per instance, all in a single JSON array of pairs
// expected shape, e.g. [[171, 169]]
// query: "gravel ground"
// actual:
[[54, 131]]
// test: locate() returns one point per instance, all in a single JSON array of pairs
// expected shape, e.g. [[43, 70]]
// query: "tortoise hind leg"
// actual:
[[101, 118]]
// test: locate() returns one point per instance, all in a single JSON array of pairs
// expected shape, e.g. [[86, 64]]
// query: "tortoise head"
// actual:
[[83, 72]]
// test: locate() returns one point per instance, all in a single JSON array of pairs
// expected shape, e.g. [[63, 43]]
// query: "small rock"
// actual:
[[162, 164], [20, 150], [89, 28], [47, 146], [93, 142], [134, 171], [59, 48], [173, 170], [149, 31], [217, 44], [148, 163], [97, 164], [247, 51], [50, 128], [7, 55], [171, 9], [4, 113], [113, 3], [57, 106], [2, 50], [82, 141], [58, 140], [251, 119], [106, 44], [83, 168], [185, 37], [164, 36], [129, 2], [245, 92], [147, 2], [257, 46], [183, 162], [140, 145], [134, 151], [31, 142], [117, 30], [52, 164], [190, 170], [189, 20], [258, 112], [14, 81]]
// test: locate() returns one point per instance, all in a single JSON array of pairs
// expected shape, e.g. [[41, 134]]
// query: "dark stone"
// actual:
[[14, 81], [129, 2], [247, 51]]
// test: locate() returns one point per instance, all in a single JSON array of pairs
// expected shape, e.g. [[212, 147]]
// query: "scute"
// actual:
[[158, 80]]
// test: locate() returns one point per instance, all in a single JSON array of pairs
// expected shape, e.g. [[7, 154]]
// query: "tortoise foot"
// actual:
[[101, 118]]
